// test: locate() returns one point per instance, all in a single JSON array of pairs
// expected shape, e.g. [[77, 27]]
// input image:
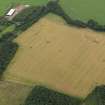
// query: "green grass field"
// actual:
[[85, 9], [78, 9]]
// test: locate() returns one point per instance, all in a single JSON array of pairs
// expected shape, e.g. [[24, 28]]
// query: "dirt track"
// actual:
[[65, 58]]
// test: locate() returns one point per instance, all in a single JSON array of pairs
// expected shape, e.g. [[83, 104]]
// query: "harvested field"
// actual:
[[65, 58], [13, 93]]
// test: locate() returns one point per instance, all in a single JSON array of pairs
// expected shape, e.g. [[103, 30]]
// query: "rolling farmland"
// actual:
[[65, 58], [53, 56]]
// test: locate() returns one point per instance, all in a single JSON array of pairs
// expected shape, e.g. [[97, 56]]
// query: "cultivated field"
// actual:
[[13, 93], [65, 58]]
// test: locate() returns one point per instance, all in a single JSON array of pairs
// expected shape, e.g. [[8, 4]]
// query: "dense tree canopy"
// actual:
[[44, 96]]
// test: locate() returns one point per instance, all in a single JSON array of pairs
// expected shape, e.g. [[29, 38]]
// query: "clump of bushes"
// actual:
[[44, 96], [91, 23], [4, 23], [95, 26], [9, 36]]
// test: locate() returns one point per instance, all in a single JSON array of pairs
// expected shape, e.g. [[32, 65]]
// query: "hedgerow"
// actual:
[[44, 96], [7, 52]]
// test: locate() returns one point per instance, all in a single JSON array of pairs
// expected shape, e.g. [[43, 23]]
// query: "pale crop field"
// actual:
[[13, 93], [69, 59]]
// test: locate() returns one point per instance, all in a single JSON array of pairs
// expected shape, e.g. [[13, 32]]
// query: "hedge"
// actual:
[[7, 52], [43, 96]]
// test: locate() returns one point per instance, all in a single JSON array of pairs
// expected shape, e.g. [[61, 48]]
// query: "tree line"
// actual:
[[41, 95], [7, 52], [44, 96]]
